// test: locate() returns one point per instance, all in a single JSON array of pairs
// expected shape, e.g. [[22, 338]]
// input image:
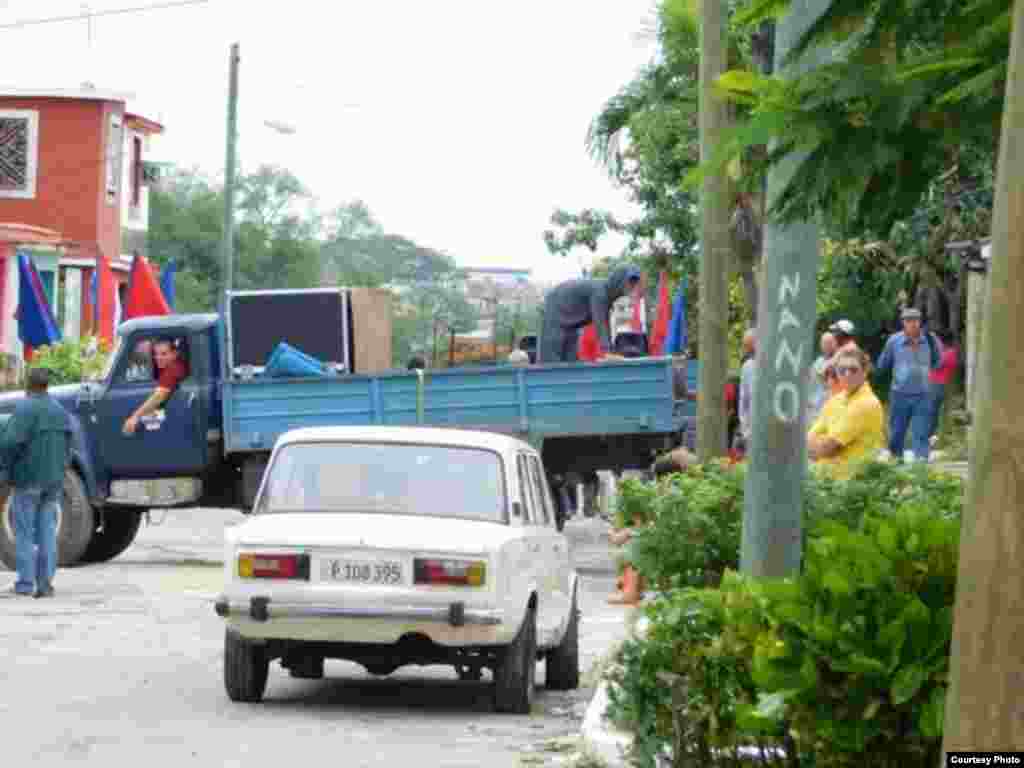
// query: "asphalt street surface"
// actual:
[[123, 668]]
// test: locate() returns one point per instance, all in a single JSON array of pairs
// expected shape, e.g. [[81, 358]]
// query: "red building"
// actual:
[[72, 163]]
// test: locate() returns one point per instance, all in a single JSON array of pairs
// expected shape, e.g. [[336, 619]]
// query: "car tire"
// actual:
[[75, 524], [516, 673], [246, 666], [120, 527], [562, 663]]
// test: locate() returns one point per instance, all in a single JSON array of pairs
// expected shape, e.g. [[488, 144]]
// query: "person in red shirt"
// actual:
[[939, 378], [170, 372]]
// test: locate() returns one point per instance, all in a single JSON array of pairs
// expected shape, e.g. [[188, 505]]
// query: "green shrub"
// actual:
[[858, 657], [634, 502], [694, 536], [73, 361], [686, 683], [847, 660]]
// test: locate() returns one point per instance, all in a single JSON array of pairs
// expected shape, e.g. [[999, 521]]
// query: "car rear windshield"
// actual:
[[386, 478]]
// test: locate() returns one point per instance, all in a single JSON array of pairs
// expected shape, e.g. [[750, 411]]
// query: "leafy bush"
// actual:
[[74, 360], [848, 659], [685, 685], [857, 660], [697, 520], [634, 502]]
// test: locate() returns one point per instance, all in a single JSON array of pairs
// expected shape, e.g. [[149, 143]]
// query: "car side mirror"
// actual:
[[517, 508]]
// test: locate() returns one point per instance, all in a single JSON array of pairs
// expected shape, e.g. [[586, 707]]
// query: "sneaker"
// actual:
[[48, 592], [12, 591]]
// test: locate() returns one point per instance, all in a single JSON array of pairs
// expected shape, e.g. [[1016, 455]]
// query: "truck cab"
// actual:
[[174, 458]]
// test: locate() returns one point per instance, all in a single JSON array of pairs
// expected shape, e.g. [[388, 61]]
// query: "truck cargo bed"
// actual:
[[613, 398]]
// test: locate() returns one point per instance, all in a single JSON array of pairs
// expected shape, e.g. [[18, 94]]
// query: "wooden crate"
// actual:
[[371, 329]]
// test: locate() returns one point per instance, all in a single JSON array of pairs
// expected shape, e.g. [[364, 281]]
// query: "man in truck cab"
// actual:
[[171, 370]]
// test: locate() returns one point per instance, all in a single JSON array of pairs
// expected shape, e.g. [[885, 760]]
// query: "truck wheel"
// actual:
[[75, 523], [245, 668], [562, 663], [120, 527], [517, 671]]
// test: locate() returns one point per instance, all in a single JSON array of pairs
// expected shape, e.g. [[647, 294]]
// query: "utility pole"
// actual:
[[228, 237], [773, 504], [984, 708], [715, 242]]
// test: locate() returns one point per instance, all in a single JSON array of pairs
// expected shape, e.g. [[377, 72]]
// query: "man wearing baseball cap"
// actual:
[[910, 356], [843, 331]]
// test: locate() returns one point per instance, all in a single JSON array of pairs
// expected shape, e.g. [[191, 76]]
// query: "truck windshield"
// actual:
[[386, 478]]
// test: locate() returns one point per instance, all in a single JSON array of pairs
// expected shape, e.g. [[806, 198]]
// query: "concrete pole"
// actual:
[[773, 512], [984, 706], [228, 236]]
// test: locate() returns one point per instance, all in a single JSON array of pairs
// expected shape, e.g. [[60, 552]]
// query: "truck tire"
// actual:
[[76, 523], [120, 527], [516, 674], [245, 668], [562, 663]]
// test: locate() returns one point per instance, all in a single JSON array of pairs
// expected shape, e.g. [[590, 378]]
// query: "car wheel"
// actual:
[[245, 668], [517, 671], [562, 663], [75, 523], [120, 527]]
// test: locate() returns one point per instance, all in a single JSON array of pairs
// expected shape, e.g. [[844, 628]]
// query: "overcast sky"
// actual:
[[459, 122]]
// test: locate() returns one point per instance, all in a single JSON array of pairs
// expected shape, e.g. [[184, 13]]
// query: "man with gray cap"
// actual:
[[36, 449], [910, 355]]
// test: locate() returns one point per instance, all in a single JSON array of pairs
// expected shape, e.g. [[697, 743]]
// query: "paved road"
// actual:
[[123, 668]]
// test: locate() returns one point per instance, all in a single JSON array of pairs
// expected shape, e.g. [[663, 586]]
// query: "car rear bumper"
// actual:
[[262, 609]]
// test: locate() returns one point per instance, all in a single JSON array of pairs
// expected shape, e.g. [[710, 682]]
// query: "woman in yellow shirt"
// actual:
[[851, 426]]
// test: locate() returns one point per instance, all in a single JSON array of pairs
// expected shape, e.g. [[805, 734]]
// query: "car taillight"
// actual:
[[464, 573], [264, 566]]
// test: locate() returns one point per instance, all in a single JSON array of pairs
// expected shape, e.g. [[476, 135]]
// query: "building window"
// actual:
[[114, 143], [19, 149], [136, 171]]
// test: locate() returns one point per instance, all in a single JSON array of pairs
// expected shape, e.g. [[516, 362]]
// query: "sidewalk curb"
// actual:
[[600, 738], [598, 735]]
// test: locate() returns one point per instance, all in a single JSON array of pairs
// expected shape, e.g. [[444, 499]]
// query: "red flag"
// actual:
[[144, 295], [106, 299], [661, 320], [589, 348]]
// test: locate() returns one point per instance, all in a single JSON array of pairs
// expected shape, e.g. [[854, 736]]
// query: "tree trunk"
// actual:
[[772, 515], [984, 708], [715, 236]]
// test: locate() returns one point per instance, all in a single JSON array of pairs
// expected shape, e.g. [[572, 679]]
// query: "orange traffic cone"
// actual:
[[629, 592]]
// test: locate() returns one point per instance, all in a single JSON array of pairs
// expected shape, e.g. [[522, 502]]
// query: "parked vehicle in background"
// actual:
[[391, 546]]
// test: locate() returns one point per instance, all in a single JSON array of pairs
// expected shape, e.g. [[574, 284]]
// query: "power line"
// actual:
[[97, 14]]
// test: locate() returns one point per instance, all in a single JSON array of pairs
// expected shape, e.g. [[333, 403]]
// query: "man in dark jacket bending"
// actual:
[[36, 449], [571, 305]]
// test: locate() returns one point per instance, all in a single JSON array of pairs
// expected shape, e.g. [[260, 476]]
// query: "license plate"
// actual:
[[361, 571]]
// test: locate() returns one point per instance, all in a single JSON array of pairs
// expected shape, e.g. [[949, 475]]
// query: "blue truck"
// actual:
[[209, 444]]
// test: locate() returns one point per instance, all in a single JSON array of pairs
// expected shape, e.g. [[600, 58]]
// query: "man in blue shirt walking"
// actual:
[[910, 355]]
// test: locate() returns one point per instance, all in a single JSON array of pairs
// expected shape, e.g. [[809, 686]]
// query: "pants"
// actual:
[[915, 412], [558, 345], [35, 537], [936, 396]]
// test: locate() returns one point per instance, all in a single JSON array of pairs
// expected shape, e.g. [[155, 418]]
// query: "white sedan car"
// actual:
[[392, 545]]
